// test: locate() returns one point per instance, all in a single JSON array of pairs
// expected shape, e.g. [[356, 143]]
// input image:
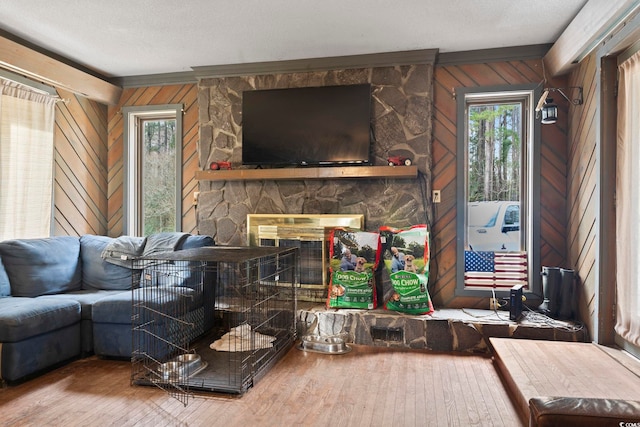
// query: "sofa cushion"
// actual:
[[162, 299], [191, 272], [87, 298], [22, 318], [42, 266], [197, 241], [96, 272], [5, 287], [25, 358]]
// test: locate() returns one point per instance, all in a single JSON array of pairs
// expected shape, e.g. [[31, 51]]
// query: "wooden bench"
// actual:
[[537, 368]]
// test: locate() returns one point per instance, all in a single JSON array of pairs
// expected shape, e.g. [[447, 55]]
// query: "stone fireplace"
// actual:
[[401, 123]]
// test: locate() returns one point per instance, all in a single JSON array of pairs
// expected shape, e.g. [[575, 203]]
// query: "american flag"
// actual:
[[484, 269]]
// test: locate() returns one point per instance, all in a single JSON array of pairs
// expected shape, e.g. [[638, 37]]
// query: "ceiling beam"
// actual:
[[595, 21], [37, 66]]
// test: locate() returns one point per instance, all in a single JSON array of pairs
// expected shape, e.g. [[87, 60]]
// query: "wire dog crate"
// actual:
[[212, 319]]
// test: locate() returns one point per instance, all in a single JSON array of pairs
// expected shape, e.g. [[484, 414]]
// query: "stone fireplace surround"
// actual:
[[401, 122]]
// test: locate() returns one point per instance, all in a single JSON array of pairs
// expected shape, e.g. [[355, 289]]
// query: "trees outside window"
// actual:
[[158, 175], [153, 158], [495, 152]]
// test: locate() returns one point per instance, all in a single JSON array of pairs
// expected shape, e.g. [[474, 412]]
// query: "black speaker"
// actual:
[[515, 302]]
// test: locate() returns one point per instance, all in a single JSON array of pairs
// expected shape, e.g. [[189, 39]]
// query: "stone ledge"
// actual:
[[463, 330]]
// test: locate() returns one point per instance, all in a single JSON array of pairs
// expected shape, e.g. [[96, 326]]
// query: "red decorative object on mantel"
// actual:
[[399, 161], [220, 165]]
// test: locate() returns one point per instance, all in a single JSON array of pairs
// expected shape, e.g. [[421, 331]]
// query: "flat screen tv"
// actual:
[[307, 126]]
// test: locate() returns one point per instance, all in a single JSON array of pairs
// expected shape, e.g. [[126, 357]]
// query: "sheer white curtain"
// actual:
[[628, 202], [26, 161]]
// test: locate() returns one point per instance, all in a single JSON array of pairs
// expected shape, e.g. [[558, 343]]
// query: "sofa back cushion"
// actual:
[[5, 288], [194, 275], [178, 273], [197, 241], [42, 266], [96, 272]]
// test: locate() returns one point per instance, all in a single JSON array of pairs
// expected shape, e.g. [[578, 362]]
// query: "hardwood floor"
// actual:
[[366, 387]]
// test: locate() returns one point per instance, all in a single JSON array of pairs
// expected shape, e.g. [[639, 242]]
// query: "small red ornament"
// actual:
[[220, 165]]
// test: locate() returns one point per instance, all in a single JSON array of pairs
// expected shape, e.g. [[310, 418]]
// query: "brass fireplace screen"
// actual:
[[309, 233]]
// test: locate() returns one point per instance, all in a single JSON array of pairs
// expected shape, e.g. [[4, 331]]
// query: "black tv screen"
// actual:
[[307, 126]]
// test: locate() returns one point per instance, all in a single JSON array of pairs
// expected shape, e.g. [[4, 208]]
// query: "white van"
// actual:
[[494, 226]]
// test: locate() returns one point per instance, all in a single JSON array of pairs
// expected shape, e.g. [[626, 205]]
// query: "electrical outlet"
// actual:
[[196, 194], [436, 196], [494, 304]]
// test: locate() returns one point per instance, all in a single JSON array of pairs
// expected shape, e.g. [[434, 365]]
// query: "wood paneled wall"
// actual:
[[80, 168], [553, 170], [156, 95], [582, 188]]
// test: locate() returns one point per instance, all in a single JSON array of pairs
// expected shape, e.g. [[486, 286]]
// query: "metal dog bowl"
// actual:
[[170, 371], [181, 367], [190, 359], [334, 344], [191, 364]]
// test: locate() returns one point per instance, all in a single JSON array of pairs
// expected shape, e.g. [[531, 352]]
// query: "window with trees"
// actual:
[[495, 215], [153, 147]]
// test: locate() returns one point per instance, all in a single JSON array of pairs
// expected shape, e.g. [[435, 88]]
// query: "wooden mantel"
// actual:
[[329, 172]]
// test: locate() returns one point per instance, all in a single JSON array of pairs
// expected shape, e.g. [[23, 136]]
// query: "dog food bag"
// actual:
[[354, 259], [406, 257]]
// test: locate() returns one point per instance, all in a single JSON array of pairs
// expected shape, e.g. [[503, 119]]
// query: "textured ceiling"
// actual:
[[120, 38]]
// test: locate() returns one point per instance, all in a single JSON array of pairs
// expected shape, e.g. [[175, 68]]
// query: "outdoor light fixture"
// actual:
[[549, 109], [549, 112]]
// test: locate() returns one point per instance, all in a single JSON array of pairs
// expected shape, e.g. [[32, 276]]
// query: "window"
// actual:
[[153, 159], [495, 190]]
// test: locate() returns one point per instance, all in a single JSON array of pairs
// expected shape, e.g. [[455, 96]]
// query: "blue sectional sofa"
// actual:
[[60, 299]]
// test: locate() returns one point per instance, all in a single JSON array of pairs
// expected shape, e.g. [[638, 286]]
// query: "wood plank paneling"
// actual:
[[553, 171], [156, 95], [581, 188], [80, 168]]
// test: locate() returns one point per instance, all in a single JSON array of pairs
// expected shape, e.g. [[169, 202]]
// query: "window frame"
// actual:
[[132, 180], [531, 188]]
